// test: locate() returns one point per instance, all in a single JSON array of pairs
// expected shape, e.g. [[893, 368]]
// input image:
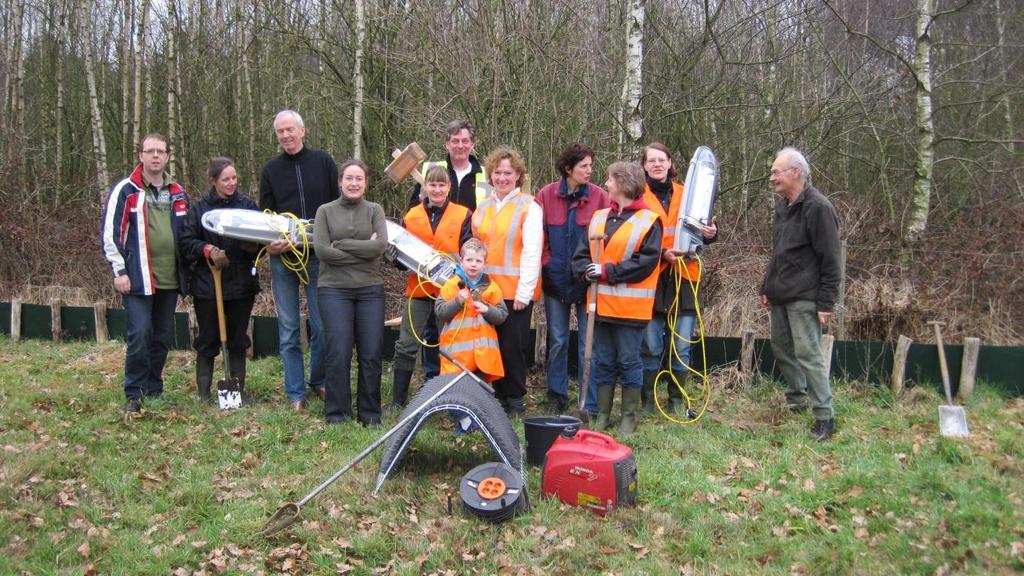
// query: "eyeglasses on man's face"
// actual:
[[154, 152]]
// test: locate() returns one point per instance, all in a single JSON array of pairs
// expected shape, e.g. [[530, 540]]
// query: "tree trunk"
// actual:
[[58, 122], [925, 161], [99, 144], [172, 120], [1004, 64], [357, 75], [127, 56], [140, 49], [249, 109], [633, 87]]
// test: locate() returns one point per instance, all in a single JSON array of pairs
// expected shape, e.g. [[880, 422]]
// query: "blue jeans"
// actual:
[[557, 314], [150, 333], [286, 300], [617, 355], [353, 316], [657, 335]]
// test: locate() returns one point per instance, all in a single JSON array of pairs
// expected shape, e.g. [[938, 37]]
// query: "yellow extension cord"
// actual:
[[420, 282], [704, 398]]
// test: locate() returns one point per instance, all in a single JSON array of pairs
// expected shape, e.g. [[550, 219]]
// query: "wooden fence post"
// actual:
[[55, 327], [99, 312], [827, 342], [747, 356], [248, 332], [899, 364], [16, 320], [969, 367]]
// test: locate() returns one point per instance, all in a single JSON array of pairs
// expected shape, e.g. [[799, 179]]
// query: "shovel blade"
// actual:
[[284, 517], [953, 421], [229, 394]]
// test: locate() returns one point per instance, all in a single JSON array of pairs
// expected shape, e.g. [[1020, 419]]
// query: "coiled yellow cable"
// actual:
[[704, 396], [296, 258]]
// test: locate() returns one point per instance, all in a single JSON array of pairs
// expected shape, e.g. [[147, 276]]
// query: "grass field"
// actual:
[[185, 488]]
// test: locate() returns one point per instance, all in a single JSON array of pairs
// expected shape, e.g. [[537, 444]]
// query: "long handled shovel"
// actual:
[[289, 513], [229, 394], [588, 344], [952, 418]]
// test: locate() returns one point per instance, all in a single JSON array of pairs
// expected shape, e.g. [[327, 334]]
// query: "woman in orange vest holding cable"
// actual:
[[620, 258], [511, 225], [445, 226], [665, 196]]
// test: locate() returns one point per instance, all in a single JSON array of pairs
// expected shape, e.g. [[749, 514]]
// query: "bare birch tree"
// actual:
[[632, 87], [140, 50], [357, 76], [99, 143]]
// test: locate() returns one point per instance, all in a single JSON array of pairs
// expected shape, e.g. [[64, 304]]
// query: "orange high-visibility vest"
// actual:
[[502, 232], [691, 268], [444, 239], [469, 338], [628, 300]]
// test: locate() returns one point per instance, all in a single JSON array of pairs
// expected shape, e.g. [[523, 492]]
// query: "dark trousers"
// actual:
[[431, 355], [150, 333], [352, 316], [236, 320], [514, 345]]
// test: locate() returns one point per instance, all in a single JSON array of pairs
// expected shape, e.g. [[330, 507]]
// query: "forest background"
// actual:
[[907, 109]]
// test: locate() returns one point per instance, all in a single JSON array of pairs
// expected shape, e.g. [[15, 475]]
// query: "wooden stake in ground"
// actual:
[[827, 342], [16, 320], [747, 357], [899, 364], [968, 367], [55, 327], [99, 312]]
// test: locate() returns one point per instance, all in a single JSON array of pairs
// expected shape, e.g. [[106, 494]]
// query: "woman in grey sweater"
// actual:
[[349, 237]]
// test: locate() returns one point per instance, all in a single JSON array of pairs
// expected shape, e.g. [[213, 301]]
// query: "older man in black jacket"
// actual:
[[801, 285]]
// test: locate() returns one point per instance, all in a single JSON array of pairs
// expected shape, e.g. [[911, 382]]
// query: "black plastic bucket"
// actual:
[[541, 432]]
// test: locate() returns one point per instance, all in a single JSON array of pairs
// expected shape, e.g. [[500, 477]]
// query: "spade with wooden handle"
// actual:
[[952, 418]]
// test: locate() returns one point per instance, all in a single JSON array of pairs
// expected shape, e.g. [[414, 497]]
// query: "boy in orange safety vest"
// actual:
[[470, 306]]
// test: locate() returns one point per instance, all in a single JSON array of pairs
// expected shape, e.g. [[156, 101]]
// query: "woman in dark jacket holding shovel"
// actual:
[[235, 259]]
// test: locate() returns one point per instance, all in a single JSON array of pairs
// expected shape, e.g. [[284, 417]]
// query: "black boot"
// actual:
[[400, 380], [237, 364], [675, 394], [647, 393], [204, 376], [516, 407]]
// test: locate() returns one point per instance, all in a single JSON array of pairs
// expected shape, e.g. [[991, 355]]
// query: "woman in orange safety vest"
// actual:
[[620, 258]]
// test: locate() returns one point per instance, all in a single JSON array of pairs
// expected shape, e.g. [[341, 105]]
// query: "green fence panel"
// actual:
[[35, 322], [77, 323], [5, 318]]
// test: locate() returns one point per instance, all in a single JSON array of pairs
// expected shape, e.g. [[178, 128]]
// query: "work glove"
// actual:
[[391, 253], [593, 273], [219, 258]]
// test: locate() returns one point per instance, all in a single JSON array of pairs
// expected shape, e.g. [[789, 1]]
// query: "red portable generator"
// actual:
[[591, 470]]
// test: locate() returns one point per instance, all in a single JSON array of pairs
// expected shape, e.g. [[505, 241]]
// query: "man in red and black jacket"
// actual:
[[141, 225]]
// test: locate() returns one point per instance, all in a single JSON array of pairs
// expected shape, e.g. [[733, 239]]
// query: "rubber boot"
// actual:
[[237, 365], [675, 397], [516, 407], [605, 397], [630, 406], [400, 380], [204, 376], [647, 393]]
